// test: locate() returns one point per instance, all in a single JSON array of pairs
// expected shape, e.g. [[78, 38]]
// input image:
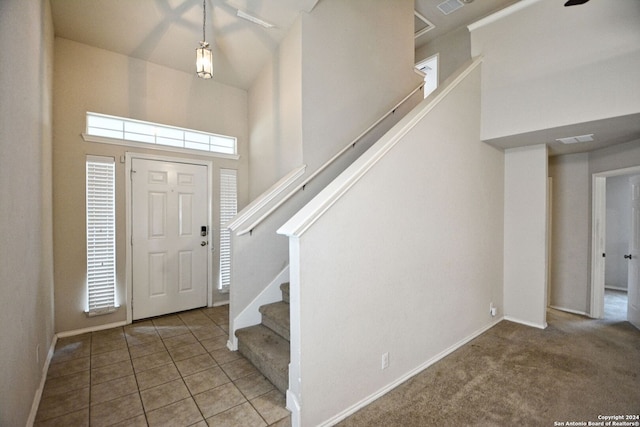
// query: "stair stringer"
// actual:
[[251, 314]]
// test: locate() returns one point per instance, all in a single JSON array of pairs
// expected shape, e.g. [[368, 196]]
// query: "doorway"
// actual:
[[613, 271], [168, 228], [429, 67]]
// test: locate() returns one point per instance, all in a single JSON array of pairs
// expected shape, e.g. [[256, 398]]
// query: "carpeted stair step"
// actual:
[[276, 317], [268, 352], [284, 288]]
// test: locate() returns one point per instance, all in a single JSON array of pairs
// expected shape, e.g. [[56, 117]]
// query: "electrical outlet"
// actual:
[[492, 310], [385, 360]]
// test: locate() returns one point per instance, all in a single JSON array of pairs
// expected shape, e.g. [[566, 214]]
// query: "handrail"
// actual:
[[313, 210], [263, 200], [352, 144]]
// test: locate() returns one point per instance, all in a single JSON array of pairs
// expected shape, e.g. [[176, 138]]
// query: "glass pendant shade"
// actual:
[[204, 61]]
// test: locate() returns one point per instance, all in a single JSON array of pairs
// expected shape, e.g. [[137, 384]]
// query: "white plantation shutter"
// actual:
[[101, 235], [228, 209]]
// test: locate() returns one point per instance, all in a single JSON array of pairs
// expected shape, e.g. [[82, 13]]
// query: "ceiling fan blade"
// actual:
[[575, 2]]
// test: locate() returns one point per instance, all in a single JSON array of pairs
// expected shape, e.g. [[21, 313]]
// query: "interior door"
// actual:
[[633, 309], [169, 254]]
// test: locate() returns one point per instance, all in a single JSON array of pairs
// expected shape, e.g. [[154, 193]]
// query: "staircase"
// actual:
[[267, 345]]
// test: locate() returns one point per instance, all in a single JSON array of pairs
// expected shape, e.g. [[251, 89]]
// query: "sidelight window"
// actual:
[[101, 235]]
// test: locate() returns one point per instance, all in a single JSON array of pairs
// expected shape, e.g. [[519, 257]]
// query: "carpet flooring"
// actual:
[[572, 372]]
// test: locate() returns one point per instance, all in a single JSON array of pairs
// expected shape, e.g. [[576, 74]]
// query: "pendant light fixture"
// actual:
[[204, 57]]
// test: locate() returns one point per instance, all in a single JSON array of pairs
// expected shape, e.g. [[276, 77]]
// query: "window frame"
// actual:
[[89, 137]]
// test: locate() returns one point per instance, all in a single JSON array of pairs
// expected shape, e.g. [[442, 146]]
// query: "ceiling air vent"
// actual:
[[576, 139], [450, 6]]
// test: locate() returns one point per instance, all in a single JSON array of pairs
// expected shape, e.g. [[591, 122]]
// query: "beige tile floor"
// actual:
[[173, 370]]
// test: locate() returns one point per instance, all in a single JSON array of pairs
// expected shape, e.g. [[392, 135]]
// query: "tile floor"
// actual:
[[173, 370]]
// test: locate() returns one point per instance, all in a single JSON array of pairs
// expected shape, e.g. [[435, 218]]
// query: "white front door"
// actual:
[[169, 254], [633, 308]]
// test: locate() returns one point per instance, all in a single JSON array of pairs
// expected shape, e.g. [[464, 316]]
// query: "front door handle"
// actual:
[[203, 243], [628, 256]]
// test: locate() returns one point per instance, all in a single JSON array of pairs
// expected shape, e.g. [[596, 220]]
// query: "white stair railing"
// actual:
[[258, 253]]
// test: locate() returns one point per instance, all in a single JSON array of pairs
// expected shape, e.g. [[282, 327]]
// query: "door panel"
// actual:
[[169, 262], [633, 308]]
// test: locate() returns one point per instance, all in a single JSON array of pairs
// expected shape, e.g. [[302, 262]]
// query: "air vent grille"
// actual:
[[576, 139], [450, 6]]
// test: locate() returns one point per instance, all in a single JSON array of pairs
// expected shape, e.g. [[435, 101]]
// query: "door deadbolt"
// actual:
[[203, 243]]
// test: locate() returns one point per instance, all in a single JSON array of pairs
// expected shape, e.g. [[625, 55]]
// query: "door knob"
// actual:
[[628, 256], [203, 243]]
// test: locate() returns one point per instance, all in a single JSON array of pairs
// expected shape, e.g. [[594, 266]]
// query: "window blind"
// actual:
[[101, 235], [228, 209]]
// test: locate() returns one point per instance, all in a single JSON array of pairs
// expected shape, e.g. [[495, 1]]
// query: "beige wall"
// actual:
[[370, 276], [340, 68], [357, 63], [570, 286], [91, 79], [558, 65], [525, 235], [275, 122], [26, 261], [570, 232]]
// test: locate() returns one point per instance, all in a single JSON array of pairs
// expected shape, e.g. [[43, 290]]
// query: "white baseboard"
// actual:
[[356, 407], [568, 310], [91, 329], [45, 369], [220, 303], [526, 322], [294, 407]]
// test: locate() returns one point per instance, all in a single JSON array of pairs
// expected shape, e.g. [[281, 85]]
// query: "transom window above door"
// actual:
[[123, 131]]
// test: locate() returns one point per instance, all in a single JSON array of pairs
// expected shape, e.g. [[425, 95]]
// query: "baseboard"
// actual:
[[45, 369], [526, 322], [91, 329], [366, 401], [294, 407], [568, 310], [220, 303]]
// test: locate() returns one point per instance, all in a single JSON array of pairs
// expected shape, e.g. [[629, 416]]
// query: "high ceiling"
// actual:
[[166, 32], [470, 12]]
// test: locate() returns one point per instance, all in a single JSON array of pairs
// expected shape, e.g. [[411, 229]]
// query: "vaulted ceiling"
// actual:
[[166, 32]]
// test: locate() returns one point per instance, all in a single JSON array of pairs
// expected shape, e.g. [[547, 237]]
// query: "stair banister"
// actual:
[[265, 198], [328, 163]]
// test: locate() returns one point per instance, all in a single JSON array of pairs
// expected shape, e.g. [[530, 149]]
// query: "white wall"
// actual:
[[275, 116], [413, 244], [26, 252], [91, 79], [618, 235], [559, 65], [570, 257], [454, 48], [357, 63], [525, 235]]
